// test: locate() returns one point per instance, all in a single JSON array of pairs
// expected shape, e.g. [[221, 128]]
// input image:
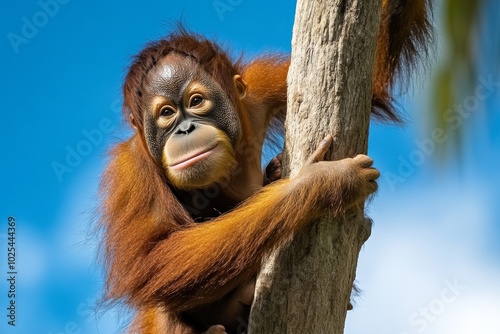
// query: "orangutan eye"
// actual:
[[166, 112], [195, 100]]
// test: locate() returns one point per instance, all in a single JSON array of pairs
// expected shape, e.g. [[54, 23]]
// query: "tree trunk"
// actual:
[[305, 286]]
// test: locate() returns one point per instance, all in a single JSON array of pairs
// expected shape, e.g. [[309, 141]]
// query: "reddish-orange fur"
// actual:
[[170, 269], [405, 31], [159, 260]]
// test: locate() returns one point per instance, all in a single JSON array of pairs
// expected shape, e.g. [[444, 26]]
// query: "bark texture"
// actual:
[[305, 286]]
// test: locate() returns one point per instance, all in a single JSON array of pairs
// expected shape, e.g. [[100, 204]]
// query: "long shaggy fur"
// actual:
[[158, 259]]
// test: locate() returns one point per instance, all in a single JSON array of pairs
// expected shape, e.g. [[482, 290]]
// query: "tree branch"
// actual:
[[305, 286]]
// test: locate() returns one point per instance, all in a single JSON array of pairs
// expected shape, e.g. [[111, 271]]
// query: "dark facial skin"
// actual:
[[190, 124]]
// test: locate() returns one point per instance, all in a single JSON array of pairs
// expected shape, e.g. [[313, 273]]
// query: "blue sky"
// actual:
[[437, 227]]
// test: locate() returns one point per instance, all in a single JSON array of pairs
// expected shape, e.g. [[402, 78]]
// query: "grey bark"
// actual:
[[305, 286]]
